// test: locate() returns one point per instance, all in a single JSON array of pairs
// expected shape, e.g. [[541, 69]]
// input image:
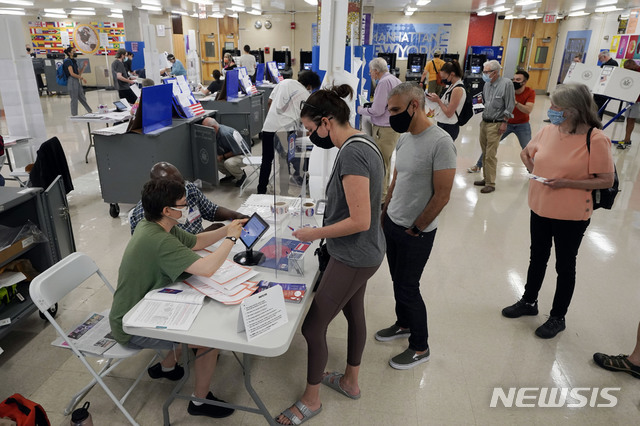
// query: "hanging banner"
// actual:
[[403, 39]]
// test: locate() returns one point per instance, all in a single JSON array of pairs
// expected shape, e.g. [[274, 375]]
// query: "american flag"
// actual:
[[196, 108]]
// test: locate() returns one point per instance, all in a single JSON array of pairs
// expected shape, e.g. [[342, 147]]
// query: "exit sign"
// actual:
[[549, 19]]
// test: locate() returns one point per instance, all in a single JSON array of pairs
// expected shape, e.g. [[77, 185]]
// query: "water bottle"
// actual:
[[82, 416]]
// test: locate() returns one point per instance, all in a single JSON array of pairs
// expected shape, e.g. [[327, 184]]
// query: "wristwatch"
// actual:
[[234, 239], [415, 229]]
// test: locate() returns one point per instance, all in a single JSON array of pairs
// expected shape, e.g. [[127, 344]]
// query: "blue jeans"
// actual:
[[522, 132], [407, 256]]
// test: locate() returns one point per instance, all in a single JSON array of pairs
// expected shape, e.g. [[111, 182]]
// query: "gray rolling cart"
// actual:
[[243, 114], [49, 211], [124, 160]]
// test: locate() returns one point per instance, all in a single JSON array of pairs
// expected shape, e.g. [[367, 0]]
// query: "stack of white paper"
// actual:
[[229, 285]]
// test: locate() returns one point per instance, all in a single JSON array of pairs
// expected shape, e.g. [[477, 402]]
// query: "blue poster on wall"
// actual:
[[577, 44], [410, 38]]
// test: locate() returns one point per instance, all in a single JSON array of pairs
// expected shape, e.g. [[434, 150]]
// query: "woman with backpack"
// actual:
[[74, 81], [449, 107], [568, 159]]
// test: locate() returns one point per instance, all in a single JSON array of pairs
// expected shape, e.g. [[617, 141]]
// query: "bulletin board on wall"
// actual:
[[50, 37]]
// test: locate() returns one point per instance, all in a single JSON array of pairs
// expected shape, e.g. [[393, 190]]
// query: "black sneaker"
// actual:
[[227, 179], [520, 308], [156, 372], [551, 328], [240, 181], [209, 410], [391, 333]]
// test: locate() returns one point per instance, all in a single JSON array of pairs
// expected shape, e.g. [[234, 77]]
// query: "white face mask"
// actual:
[[185, 212]]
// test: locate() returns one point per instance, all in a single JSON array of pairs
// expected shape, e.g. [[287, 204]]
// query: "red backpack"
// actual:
[[23, 411]]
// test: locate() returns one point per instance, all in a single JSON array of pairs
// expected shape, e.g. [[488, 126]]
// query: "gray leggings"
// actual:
[[76, 93], [341, 289]]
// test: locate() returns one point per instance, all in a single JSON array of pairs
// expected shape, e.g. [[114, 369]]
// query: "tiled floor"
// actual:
[[478, 266]]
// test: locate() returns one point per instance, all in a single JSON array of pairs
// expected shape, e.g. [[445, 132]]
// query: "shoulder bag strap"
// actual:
[[434, 66], [589, 140]]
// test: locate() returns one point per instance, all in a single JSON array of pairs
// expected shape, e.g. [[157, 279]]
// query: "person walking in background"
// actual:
[[430, 74], [422, 182], [560, 198], [354, 240], [450, 105], [519, 124], [74, 81], [383, 134], [121, 79], [499, 100]]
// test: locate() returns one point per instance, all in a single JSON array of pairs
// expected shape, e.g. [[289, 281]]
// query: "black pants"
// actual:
[[407, 257], [128, 95], [267, 161], [567, 236], [600, 100], [452, 129]]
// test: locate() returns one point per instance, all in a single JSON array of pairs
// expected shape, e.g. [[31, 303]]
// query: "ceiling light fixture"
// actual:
[[150, 8], [11, 12], [311, 2], [17, 2], [83, 12], [60, 11], [236, 8], [423, 2], [411, 7], [179, 12], [501, 9], [116, 16], [531, 17], [205, 2], [151, 2], [509, 17], [235, 15], [527, 2], [606, 9], [484, 12], [218, 15], [56, 15], [254, 12], [579, 13], [102, 2]]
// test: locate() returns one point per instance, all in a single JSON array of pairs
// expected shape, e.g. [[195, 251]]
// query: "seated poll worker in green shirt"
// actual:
[[159, 254]]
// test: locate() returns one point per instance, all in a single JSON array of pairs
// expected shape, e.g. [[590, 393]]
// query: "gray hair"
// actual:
[[411, 91], [148, 82], [604, 54], [228, 56], [493, 65], [120, 53], [378, 64], [578, 101]]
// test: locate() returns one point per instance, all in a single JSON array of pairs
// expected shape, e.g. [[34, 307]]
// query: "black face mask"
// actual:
[[400, 122], [324, 143], [517, 85]]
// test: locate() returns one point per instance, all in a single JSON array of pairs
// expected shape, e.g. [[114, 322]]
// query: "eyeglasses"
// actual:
[[307, 104]]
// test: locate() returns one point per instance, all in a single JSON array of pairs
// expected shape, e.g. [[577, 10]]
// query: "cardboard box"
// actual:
[[16, 248], [588, 75], [618, 83]]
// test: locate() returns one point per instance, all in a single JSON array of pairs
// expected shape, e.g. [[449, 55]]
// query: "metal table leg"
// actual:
[[86, 157]]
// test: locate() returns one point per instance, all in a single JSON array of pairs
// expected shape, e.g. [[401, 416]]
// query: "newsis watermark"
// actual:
[[553, 397]]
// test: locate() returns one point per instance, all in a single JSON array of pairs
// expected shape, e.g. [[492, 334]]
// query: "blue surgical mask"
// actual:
[[556, 117], [486, 78]]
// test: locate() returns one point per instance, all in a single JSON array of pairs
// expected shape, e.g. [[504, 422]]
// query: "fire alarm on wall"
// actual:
[[267, 50], [293, 25]]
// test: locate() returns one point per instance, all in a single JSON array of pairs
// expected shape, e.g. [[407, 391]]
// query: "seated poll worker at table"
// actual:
[[200, 207], [159, 254]]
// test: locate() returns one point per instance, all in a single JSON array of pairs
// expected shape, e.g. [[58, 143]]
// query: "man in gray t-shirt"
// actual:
[[422, 181]]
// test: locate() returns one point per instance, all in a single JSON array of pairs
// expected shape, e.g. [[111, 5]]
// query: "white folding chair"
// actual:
[[51, 286], [253, 162]]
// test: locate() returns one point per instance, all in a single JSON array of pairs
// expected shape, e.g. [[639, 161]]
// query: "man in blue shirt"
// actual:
[[176, 66], [230, 154], [200, 207]]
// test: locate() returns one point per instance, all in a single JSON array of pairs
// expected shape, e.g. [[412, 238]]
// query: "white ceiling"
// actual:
[[272, 6]]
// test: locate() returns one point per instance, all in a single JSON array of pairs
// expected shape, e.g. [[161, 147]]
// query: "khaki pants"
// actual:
[[489, 141], [434, 87], [232, 166], [386, 139]]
